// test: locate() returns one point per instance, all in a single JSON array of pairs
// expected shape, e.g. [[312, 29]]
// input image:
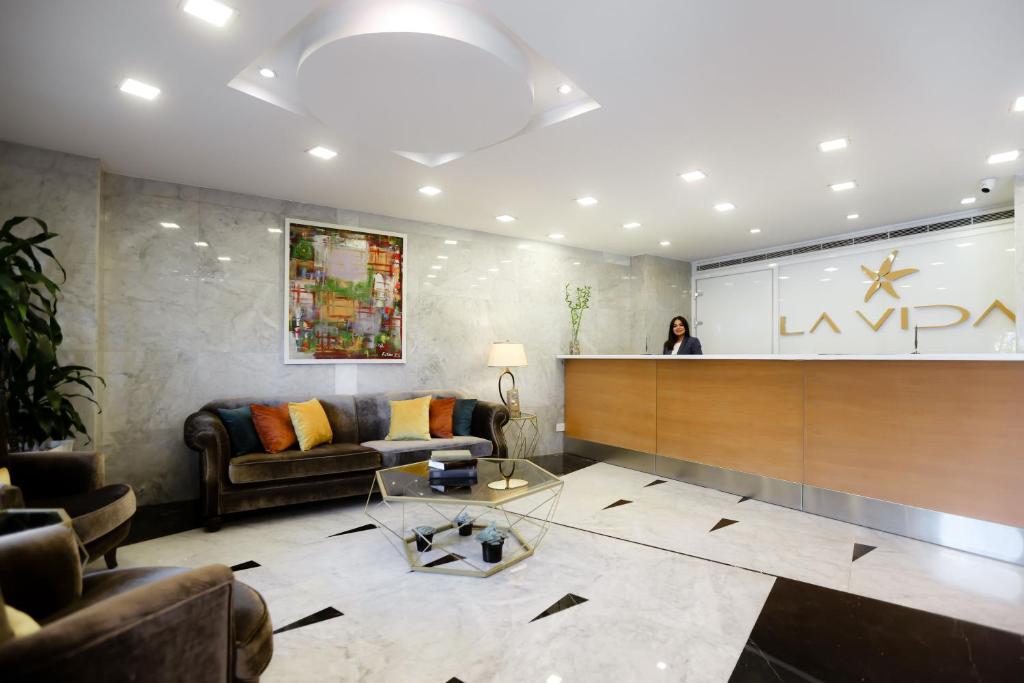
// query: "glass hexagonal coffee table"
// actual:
[[407, 501]]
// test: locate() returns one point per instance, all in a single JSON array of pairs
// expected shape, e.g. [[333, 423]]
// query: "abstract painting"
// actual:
[[344, 298]]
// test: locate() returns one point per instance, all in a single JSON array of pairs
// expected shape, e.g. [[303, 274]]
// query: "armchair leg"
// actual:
[[213, 524], [111, 558]]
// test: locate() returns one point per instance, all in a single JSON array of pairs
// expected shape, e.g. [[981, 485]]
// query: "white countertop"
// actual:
[[810, 356]]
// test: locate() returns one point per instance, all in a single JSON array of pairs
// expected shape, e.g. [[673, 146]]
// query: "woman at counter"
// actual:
[[679, 342]]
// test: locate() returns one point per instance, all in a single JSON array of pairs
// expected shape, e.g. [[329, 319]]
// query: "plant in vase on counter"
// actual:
[[577, 304]]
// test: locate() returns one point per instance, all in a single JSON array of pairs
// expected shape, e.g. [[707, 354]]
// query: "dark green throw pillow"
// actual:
[[462, 417], [241, 430]]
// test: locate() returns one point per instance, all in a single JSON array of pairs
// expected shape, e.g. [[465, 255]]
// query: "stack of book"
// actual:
[[451, 470]]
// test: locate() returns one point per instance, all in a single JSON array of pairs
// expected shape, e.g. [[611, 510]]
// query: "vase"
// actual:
[[424, 542], [466, 529], [492, 552], [574, 347]]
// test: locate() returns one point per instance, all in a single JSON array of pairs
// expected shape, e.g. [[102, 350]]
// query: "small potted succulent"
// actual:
[[464, 522], [424, 537], [491, 540]]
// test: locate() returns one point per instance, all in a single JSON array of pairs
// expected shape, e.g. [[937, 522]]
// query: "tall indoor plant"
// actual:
[[577, 305], [37, 388]]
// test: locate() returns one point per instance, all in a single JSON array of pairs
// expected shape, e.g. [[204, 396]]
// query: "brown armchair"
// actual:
[[74, 480], [153, 624]]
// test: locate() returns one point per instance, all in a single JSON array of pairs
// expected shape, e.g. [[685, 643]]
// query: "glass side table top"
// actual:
[[410, 482]]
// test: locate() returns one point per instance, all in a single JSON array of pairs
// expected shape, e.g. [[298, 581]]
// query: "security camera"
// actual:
[[988, 184]]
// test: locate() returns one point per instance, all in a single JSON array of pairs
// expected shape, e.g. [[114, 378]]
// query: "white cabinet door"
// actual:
[[734, 313]]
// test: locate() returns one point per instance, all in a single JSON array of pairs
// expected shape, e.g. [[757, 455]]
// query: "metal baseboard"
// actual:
[[989, 539]]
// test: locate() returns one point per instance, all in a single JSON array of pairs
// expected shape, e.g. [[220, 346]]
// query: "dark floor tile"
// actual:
[[569, 600], [722, 523], [316, 617], [860, 550], [250, 564], [562, 463], [445, 559], [617, 504], [365, 527], [809, 633], [742, 499], [154, 521], [655, 482], [453, 680]]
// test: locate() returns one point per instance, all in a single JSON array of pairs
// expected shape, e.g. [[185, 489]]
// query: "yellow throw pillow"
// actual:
[[410, 420], [310, 423], [5, 476], [21, 624]]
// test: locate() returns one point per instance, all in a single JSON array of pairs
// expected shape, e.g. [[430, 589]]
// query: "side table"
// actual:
[[522, 435]]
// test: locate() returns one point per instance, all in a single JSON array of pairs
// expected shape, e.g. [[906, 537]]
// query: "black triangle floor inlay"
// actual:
[[453, 679], [569, 600], [445, 559], [618, 503], [365, 527], [860, 550], [245, 565], [742, 499], [722, 523], [316, 617], [655, 483]]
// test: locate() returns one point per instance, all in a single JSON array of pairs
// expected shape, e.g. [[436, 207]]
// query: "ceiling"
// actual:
[[741, 89]]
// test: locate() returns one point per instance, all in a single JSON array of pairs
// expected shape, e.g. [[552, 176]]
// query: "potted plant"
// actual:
[[491, 540], [36, 387], [577, 305], [464, 522], [424, 537]]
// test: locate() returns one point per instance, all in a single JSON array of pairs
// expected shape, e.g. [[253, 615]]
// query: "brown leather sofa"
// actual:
[[146, 624], [342, 468]]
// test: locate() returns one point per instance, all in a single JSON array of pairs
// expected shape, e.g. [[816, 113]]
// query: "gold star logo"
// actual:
[[885, 276]]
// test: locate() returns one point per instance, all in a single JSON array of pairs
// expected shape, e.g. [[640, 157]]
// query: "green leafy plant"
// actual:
[[492, 535], [577, 305], [37, 388]]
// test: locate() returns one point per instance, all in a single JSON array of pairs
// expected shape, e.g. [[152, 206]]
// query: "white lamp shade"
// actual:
[[506, 355]]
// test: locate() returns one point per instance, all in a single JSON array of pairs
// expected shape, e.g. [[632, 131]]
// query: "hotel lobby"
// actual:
[[544, 341]]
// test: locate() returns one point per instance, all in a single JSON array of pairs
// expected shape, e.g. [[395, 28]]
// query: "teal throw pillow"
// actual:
[[462, 417], [241, 430]]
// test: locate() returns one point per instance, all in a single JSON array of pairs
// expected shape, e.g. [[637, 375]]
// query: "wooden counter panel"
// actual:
[[940, 436], [611, 402], [740, 415]]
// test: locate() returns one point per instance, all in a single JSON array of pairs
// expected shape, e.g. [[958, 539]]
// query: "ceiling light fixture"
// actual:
[[692, 176], [430, 190], [564, 89], [201, 244], [783, 277], [267, 72], [665, 243], [223, 258], [826, 279], [435, 267], [451, 241], [1004, 157], [170, 226], [968, 200], [754, 231], [275, 231], [210, 11], [1018, 104], [505, 218], [431, 275], [322, 152], [441, 256], [833, 145], [852, 216], [843, 186], [965, 244], [575, 263], [481, 279], [139, 89], [938, 263], [492, 270], [556, 236], [631, 226], [724, 206], [831, 269], [586, 201]]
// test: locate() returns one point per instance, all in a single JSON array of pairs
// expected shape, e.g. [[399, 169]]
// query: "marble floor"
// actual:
[[638, 579]]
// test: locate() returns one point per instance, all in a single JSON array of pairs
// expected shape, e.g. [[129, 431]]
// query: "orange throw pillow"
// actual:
[[274, 427], [441, 410]]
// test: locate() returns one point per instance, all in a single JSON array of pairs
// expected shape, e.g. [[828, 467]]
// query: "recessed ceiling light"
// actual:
[[968, 200], [693, 176], [505, 218], [435, 267], [322, 152], [754, 231], [139, 89], [938, 263], [481, 279], [575, 263], [441, 256], [665, 243], [1018, 104], [783, 277], [506, 260], [275, 230], [430, 191], [556, 235], [564, 89], [492, 270], [223, 258], [201, 244], [832, 145], [1003, 157], [831, 269], [210, 11], [772, 265], [826, 279], [451, 241], [843, 186], [172, 226], [631, 226], [431, 275], [725, 206], [1012, 249], [852, 216], [940, 288], [267, 72], [965, 244], [586, 201]]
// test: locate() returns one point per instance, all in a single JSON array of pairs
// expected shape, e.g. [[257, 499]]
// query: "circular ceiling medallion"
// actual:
[[415, 92]]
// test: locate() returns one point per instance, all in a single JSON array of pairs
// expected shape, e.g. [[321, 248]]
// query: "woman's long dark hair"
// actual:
[[671, 341]]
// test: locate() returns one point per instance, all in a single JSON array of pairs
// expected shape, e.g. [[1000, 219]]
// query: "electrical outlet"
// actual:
[[560, 427]]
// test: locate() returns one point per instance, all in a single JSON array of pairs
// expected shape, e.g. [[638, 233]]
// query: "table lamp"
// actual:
[[507, 355]]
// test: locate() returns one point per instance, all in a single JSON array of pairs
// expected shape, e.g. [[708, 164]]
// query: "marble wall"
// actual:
[[63, 190], [1018, 227], [661, 291]]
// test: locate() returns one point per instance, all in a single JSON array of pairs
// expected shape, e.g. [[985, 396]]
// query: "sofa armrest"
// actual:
[[52, 474], [40, 571], [175, 629], [205, 434], [488, 419], [10, 497]]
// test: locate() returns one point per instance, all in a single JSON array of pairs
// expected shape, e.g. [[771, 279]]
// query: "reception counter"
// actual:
[[927, 446]]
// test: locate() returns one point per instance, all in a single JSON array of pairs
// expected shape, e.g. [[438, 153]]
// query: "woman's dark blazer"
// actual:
[[690, 347]]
